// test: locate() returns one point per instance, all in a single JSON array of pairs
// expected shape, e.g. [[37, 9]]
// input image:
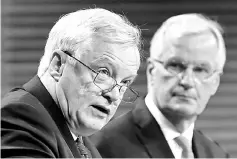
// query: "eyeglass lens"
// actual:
[[176, 66], [107, 84]]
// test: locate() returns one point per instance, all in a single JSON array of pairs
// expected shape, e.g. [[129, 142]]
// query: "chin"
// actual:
[[91, 126], [186, 113], [181, 109]]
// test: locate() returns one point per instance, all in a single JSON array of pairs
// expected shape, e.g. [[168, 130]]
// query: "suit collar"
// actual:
[[150, 133], [169, 130], [36, 88], [201, 146], [91, 147]]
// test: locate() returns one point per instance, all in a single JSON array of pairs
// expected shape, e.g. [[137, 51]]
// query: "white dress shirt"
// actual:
[[168, 128], [74, 136]]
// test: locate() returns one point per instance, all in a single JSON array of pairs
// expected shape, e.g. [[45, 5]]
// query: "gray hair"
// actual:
[[80, 27], [186, 24]]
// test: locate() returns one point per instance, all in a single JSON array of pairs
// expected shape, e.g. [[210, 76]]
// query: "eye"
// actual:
[[104, 71], [127, 82], [175, 67], [201, 70]]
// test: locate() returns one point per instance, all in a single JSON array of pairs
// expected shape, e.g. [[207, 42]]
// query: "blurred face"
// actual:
[[84, 104], [185, 78]]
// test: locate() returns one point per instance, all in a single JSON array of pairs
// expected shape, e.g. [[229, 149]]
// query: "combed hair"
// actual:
[[75, 30], [187, 24]]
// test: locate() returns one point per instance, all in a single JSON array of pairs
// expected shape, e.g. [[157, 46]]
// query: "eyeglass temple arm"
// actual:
[[66, 52]]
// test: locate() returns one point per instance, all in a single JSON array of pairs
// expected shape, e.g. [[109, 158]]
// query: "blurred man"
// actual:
[[187, 57], [91, 57]]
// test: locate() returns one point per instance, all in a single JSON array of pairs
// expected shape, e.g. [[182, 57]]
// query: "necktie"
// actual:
[[85, 153], [184, 144]]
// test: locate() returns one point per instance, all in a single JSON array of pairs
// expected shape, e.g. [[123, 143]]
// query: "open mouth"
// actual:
[[101, 108]]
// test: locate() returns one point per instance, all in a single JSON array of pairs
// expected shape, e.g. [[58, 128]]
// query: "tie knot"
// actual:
[[79, 140], [85, 153], [182, 141], [185, 145]]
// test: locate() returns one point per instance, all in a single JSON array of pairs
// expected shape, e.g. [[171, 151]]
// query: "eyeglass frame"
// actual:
[[202, 80], [97, 73]]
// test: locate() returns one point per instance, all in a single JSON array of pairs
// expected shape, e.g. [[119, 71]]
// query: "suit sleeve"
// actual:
[[24, 133]]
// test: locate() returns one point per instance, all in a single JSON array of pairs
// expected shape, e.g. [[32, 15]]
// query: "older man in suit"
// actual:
[[187, 56], [91, 57]]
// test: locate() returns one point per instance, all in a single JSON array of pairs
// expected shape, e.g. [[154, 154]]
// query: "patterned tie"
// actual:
[[184, 144], [85, 153]]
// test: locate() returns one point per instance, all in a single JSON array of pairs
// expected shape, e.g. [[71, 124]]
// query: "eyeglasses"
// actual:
[[107, 83], [202, 72]]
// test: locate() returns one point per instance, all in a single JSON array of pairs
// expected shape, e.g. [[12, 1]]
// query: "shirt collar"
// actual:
[[74, 136], [167, 127]]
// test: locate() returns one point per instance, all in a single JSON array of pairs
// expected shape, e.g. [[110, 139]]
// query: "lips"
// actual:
[[182, 95], [101, 108]]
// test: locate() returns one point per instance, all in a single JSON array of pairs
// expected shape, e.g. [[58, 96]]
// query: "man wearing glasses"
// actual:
[[187, 56], [91, 58]]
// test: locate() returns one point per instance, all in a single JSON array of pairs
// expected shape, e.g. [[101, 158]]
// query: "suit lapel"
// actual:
[[91, 147], [149, 133], [35, 87], [200, 148]]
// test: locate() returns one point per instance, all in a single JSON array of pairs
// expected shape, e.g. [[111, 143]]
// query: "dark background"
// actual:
[[26, 24]]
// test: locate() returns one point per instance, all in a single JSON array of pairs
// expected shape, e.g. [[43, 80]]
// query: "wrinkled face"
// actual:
[[177, 83], [86, 108]]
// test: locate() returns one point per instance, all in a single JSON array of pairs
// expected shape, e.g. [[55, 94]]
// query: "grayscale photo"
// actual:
[[118, 79]]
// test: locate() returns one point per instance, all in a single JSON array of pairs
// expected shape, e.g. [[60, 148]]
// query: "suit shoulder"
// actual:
[[23, 117], [116, 134], [22, 105], [212, 146], [24, 109], [119, 126], [18, 95]]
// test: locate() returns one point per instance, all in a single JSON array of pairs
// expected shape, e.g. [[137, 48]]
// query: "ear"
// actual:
[[57, 64], [215, 85], [150, 71]]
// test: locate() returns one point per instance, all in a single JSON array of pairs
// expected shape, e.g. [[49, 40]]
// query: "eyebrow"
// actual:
[[110, 63], [107, 62], [199, 62], [204, 64], [132, 76]]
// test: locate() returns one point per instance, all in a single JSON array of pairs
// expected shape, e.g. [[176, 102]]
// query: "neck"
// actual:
[[58, 96], [181, 123], [49, 84]]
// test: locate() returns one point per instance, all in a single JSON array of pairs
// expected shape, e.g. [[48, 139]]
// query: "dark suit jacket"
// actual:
[[32, 125], [137, 135]]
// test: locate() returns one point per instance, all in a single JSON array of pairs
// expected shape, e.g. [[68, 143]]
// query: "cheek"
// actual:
[[77, 85], [112, 114], [204, 90], [163, 87], [115, 106], [77, 90], [86, 93], [80, 101], [204, 94]]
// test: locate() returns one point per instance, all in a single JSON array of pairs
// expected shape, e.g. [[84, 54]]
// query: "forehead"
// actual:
[[114, 54], [199, 48]]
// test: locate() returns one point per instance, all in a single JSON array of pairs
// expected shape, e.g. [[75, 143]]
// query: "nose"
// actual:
[[112, 95], [187, 79]]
